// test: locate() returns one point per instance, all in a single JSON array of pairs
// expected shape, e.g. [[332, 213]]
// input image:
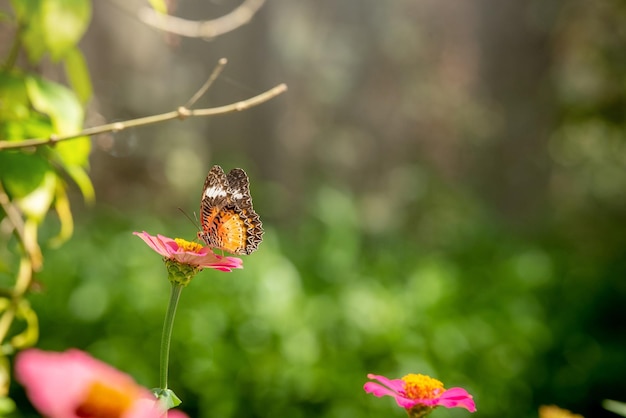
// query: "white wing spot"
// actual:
[[212, 192]]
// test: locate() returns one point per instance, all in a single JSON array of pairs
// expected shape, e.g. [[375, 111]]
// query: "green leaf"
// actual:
[[22, 173], [63, 24], [37, 204], [78, 74], [74, 156], [28, 13], [167, 398], [35, 127], [53, 26], [62, 207], [159, 6], [615, 406], [74, 152], [58, 102], [7, 406], [14, 102], [83, 182], [26, 9], [30, 335]]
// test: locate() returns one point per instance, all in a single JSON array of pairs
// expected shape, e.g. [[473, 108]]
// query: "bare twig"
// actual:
[[12, 213], [202, 29], [181, 113], [216, 73], [24, 232]]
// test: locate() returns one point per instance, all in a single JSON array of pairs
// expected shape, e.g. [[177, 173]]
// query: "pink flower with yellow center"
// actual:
[[419, 394], [75, 385], [190, 253]]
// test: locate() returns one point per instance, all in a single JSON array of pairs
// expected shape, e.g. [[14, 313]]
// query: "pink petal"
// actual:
[[56, 383], [168, 243], [154, 243], [396, 390], [454, 397], [234, 262], [203, 257], [457, 397], [379, 390], [43, 382], [396, 385]]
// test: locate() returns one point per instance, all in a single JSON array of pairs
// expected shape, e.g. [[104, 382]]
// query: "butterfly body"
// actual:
[[227, 218]]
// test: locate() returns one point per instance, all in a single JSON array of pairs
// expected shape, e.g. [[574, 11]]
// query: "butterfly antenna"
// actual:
[[194, 220]]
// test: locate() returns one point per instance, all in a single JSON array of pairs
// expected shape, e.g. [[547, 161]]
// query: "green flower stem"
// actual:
[[168, 325]]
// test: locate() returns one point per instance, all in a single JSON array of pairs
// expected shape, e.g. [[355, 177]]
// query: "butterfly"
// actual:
[[227, 218]]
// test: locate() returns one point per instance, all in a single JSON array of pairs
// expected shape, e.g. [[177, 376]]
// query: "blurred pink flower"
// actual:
[[75, 385], [419, 394], [190, 253]]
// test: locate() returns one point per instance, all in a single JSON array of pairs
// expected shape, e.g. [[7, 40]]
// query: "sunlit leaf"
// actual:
[[30, 242], [58, 102], [37, 203], [28, 13], [82, 180], [34, 127], [7, 406], [14, 98], [167, 398], [53, 26], [159, 5], [63, 23], [78, 74], [30, 335], [75, 151], [62, 207], [615, 406], [5, 373], [26, 9]]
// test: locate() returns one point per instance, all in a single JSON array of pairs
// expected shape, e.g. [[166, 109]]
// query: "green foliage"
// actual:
[[35, 107], [614, 406], [78, 74], [430, 282], [318, 307], [51, 26], [58, 103], [32, 179]]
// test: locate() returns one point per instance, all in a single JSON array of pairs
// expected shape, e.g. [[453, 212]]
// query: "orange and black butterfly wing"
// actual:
[[226, 215], [214, 199], [239, 193]]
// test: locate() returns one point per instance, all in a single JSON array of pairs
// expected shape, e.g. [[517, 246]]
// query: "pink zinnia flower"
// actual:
[[419, 394], [190, 253], [75, 385]]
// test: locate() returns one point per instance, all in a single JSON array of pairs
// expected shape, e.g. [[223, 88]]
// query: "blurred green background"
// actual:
[[443, 190]]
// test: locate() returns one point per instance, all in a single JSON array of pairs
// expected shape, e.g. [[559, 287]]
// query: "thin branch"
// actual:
[[181, 113], [13, 215], [202, 29], [25, 233], [216, 73]]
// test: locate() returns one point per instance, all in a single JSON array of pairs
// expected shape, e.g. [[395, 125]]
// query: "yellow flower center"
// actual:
[[419, 386], [185, 245], [102, 401]]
